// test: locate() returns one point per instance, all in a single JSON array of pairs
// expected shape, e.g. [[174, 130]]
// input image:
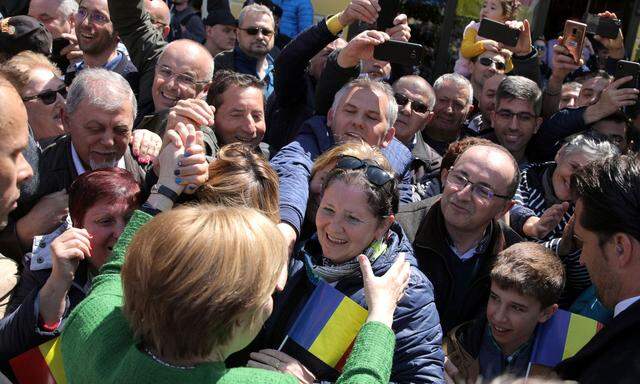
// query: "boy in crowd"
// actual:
[[526, 282]]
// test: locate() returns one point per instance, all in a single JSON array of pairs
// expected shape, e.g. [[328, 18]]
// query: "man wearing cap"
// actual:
[[220, 27], [23, 33]]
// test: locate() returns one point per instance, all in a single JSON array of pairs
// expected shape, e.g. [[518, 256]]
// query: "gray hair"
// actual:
[[518, 87], [374, 86], [572, 86], [255, 8], [457, 79], [68, 7], [588, 146], [102, 88]]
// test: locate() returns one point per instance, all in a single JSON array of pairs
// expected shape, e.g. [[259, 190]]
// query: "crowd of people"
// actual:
[[175, 189]]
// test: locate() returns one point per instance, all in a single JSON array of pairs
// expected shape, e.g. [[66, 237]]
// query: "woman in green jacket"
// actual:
[[184, 290]]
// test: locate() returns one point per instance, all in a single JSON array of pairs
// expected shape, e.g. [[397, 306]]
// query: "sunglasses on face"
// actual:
[[376, 175], [255, 30], [487, 63], [48, 97], [416, 106]]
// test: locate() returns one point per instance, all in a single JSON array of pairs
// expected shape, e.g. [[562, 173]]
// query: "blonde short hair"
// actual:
[[361, 150], [241, 177], [193, 274], [18, 68]]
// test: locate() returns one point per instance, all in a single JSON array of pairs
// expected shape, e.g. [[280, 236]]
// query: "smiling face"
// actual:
[[240, 116], [45, 120], [361, 115], [105, 222], [512, 317], [567, 166], [492, 9], [181, 57], [481, 72], [462, 210], [346, 226], [100, 137], [451, 109], [94, 28], [515, 122]]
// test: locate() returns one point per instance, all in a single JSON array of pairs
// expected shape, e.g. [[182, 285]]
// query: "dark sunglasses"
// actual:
[[48, 97], [376, 175], [416, 106], [487, 63], [254, 31]]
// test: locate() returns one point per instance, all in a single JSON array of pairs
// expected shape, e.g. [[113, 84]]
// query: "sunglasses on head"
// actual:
[[48, 97], [376, 175], [416, 106], [487, 63], [254, 31]]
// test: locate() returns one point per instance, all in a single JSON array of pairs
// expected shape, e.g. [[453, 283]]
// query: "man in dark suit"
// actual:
[[607, 227]]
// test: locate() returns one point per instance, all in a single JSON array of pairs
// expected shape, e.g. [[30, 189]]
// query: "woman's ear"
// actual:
[[384, 226]]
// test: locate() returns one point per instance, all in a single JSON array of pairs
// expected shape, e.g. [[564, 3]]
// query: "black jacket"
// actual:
[[424, 224], [612, 355]]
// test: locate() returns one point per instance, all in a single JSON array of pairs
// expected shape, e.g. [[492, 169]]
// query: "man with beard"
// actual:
[[457, 235], [255, 34], [606, 228], [99, 43]]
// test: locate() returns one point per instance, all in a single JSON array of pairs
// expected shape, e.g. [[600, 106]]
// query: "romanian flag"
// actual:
[[328, 325], [40, 365], [561, 337]]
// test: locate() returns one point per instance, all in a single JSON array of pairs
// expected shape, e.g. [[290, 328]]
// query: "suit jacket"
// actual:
[[612, 356]]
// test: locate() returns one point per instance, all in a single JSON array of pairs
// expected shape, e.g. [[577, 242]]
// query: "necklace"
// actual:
[[157, 360]]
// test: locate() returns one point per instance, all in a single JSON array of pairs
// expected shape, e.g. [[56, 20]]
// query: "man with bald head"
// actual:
[[457, 235], [160, 15], [481, 123], [174, 77], [14, 170]]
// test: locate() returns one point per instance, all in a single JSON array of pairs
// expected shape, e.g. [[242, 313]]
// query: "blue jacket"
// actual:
[[418, 356], [297, 15], [294, 161]]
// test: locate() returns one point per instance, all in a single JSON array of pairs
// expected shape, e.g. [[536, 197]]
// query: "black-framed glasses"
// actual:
[[460, 182], [416, 106], [375, 174], [48, 97], [523, 117], [183, 79], [487, 63], [254, 31]]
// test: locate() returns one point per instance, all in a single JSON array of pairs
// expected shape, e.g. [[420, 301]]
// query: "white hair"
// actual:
[[68, 7], [457, 79], [255, 8], [105, 89], [590, 147], [376, 87]]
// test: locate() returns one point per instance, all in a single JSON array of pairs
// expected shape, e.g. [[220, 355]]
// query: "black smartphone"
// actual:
[[500, 32], [399, 52], [601, 26], [628, 68]]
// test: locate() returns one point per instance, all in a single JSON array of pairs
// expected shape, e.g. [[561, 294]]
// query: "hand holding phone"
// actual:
[[502, 33], [603, 26], [573, 38], [628, 68], [399, 52]]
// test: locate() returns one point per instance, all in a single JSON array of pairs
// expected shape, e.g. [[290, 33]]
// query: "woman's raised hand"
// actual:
[[383, 292]]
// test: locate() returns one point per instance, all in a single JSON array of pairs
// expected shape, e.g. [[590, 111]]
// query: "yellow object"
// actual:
[[470, 47], [53, 357], [333, 24]]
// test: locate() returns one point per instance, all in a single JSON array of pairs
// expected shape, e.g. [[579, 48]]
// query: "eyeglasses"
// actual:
[[94, 17], [416, 106], [523, 117], [500, 66], [184, 80], [376, 175], [48, 97], [254, 31], [459, 182]]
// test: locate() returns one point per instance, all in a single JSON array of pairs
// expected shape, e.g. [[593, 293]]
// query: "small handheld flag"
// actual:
[[327, 325], [40, 365], [561, 337]]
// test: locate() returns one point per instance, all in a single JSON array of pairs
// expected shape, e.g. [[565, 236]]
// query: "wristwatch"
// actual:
[[164, 191]]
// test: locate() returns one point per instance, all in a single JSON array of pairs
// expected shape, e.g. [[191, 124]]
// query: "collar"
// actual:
[[481, 247], [509, 359], [110, 65], [80, 168], [624, 304]]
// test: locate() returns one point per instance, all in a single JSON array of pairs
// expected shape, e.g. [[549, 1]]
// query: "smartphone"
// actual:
[[399, 52], [573, 38], [628, 68], [604, 27], [500, 32]]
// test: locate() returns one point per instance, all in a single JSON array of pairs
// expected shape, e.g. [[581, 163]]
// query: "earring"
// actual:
[[618, 249]]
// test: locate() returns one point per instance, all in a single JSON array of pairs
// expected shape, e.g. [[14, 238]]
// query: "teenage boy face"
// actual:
[[513, 317]]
